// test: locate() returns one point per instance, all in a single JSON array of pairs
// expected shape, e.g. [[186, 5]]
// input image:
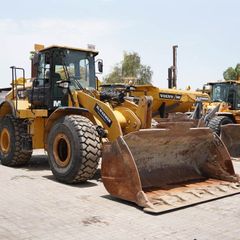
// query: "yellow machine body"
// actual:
[[173, 100]]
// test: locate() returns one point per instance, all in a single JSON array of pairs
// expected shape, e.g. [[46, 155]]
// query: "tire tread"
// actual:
[[20, 157], [216, 122]]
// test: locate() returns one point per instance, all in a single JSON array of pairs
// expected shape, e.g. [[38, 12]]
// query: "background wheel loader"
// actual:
[[165, 101], [225, 97], [59, 109]]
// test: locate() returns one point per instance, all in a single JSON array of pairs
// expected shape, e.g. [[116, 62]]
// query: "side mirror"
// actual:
[[100, 66]]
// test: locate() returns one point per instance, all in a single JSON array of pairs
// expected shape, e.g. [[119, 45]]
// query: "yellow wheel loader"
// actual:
[[59, 109]]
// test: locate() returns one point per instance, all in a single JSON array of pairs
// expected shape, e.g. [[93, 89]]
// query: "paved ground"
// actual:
[[34, 206]]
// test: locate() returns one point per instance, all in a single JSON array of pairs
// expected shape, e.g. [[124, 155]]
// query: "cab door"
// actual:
[[40, 92]]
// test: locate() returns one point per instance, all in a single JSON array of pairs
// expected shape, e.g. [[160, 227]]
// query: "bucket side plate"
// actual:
[[230, 135]]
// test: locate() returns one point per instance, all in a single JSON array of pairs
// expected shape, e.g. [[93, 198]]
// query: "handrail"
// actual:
[[15, 83]]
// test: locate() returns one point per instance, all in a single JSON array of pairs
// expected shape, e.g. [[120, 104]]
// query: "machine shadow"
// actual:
[[89, 183], [75, 185], [121, 201], [37, 163], [131, 204]]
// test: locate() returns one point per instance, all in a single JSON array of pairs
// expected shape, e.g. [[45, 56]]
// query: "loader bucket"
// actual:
[[230, 135], [170, 168]]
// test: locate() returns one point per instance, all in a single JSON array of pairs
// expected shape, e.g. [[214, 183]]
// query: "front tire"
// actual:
[[216, 123], [12, 132], [74, 149]]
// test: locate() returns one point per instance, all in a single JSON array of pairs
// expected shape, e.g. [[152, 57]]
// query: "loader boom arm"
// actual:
[[120, 119], [103, 113]]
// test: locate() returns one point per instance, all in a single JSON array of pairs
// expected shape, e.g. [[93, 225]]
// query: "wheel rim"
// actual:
[[61, 150], [5, 140]]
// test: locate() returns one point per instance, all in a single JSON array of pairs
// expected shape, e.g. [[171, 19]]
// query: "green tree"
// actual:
[[115, 76], [130, 68], [145, 74], [232, 73], [237, 69]]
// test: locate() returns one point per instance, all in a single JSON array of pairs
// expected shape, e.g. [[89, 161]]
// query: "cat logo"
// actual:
[[57, 103]]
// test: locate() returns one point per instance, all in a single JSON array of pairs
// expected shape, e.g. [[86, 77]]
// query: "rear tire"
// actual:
[[12, 132], [216, 122], [74, 149]]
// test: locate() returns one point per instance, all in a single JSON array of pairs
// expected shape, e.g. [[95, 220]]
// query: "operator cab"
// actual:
[[57, 71], [228, 91]]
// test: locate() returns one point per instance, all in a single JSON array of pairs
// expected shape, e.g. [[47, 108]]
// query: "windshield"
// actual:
[[78, 67], [220, 92]]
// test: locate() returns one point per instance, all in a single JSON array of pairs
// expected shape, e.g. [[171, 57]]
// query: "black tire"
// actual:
[[216, 122], [74, 149], [12, 132]]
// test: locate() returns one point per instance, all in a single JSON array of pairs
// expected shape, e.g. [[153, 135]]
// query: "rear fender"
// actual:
[[7, 108]]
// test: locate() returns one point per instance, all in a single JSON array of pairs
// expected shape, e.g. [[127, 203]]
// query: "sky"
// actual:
[[206, 32]]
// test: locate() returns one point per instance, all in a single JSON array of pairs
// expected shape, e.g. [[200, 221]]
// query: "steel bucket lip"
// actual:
[[213, 192]]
